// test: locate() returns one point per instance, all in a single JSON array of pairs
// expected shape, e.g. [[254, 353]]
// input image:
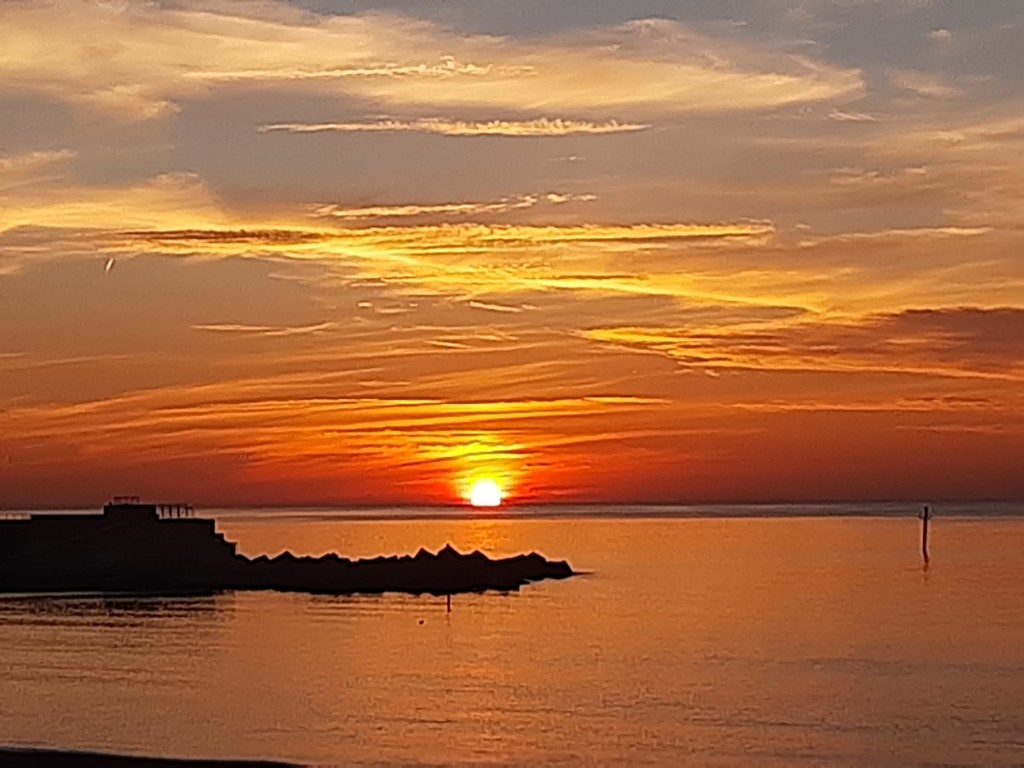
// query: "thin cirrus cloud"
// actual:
[[455, 237], [505, 205], [540, 127], [139, 61], [442, 256], [493, 307], [176, 214], [469, 259], [739, 261], [294, 422], [359, 247], [31, 162], [24, 169], [963, 342], [269, 331], [924, 84], [847, 116], [447, 66], [167, 198]]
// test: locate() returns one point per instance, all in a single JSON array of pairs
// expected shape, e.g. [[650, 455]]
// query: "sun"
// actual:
[[485, 493]]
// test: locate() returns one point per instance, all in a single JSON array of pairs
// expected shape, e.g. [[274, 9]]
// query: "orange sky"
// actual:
[[357, 252]]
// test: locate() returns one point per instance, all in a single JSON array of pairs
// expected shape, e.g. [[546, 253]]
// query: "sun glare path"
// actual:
[[485, 493]]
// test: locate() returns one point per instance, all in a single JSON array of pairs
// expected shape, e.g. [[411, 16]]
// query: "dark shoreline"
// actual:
[[41, 756]]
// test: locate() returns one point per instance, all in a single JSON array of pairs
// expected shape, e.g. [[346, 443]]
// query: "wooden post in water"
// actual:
[[926, 515], [449, 602]]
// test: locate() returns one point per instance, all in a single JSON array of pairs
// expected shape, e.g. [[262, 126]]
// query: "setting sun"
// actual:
[[485, 493]]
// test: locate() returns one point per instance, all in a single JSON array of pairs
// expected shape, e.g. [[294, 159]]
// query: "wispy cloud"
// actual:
[[34, 160], [265, 330], [494, 307], [965, 342], [459, 258], [846, 116], [504, 205], [445, 67], [460, 237], [924, 84], [539, 127], [76, 51], [181, 197], [303, 435], [880, 404], [20, 169], [371, 263]]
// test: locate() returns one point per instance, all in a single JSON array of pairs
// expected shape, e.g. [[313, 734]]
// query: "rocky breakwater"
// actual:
[[160, 549], [445, 573]]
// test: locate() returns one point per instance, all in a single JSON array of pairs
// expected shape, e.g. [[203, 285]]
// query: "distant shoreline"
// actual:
[[33, 756], [948, 510], [380, 510]]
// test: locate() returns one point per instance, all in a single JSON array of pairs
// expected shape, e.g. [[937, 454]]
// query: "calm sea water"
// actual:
[[693, 639]]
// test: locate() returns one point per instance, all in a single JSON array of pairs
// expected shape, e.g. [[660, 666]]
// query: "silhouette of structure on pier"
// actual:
[[165, 549]]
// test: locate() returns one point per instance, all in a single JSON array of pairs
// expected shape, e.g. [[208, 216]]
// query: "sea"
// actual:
[[763, 635]]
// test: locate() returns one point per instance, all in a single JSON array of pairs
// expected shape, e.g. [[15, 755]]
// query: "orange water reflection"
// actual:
[[729, 642]]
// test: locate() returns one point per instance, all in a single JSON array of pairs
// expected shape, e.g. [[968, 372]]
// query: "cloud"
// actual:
[[265, 330], [458, 237], [996, 333], [958, 429], [540, 127], [913, 178], [277, 423], [142, 61], [445, 67], [177, 215], [843, 116], [726, 263], [504, 205], [181, 197], [469, 286], [882, 403], [48, 216], [23, 168], [455, 258], [961, 342], [32, 161], [969, 135], [923, 84], [493, 307]]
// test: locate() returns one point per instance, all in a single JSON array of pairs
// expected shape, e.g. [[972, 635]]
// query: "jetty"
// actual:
[[144, 548]]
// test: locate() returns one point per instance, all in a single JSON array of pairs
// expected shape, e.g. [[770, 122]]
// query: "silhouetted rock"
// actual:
[[137, 547]]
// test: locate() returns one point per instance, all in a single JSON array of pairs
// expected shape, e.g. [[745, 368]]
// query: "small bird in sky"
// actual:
[[109, 265]]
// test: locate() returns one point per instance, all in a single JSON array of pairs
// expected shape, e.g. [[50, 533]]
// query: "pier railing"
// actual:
[[174, 511]]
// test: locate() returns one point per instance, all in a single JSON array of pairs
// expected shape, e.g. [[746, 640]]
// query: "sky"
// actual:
[[354, 252]]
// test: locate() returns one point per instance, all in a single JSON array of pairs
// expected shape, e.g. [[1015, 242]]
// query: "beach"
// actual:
[[56, 758]]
